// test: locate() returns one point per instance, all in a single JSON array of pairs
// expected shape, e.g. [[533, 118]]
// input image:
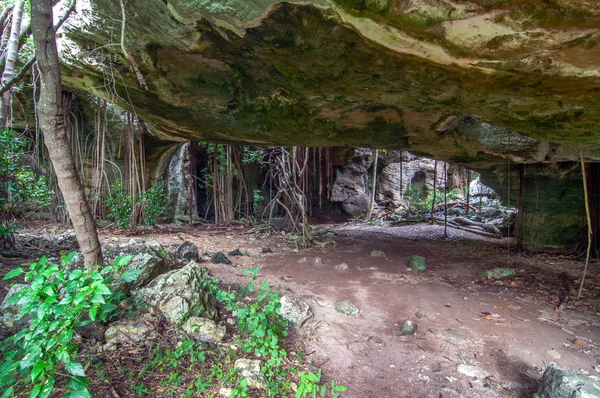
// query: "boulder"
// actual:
[[205, 330], [417, 263], [128, 332], [346, 307], [350, 187], [294, 311], [219, 258], [408, 329], [178, 294], [559, 382], [188, 251], [498, 273], [149, 257], [9, 323], [250, 369]]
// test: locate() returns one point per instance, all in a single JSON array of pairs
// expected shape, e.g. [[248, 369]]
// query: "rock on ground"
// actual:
[[417, 263], [9, 324], [203, 329], [133, 332], [149, 257], [559, 382], [219, 258], [178, 294], [295, 311], [498, 273], [250, 369], [408, 329], [471, 371], [188, 251], [346, 307]]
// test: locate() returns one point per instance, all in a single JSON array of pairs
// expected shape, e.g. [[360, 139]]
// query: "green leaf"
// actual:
[[131, 275], [14, 273], [75, 368], [68, 258], [93, 313], [77, 382], [103, 289], [49, 290], [97, 298], [123, 261], [47, 389], [106, 270], [8, 393], [79, 297], [84, 393], [37, 282], [38, 368], [75, 274]]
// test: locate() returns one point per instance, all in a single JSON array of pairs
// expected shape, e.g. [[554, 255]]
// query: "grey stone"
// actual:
[[237, 252], [9, 324], [498, 273], [203, 329], [350, 187], [178, 294], [420, 313], [266, 250], [178, 201], [219, 258], [559, 382], [127, 332], [377, 253], [188, 251], [295, 311], [346, 307], [471, 371], [417, 263], [408, 329], [148, 256], [250, 369]]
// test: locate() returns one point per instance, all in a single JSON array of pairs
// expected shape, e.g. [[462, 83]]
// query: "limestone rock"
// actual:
[[377, 253], [127, 332], [9, 324], [178, 201], [148, 256], [188, 251], [250, 369], [219, 258], [295, 311], [350, 187], [417, 263], [178, 294], [408, 329], [471, 371], [346, 307], [341, 267], [498, 273], [559, 382], [203, 329]]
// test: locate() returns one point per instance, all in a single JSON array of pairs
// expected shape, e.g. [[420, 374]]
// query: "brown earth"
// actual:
[[508, 330]]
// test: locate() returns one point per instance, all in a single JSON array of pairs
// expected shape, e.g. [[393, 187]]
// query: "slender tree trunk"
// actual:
[[12, 50], [374, 185], [468, 191], [434, 189], [445, 200], [589, 223], [52, 123]]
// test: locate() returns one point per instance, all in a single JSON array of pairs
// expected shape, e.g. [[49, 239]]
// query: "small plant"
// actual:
[[57, 301], [257, 199], [121, 205]]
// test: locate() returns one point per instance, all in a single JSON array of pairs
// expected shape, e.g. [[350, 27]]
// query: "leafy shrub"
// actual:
[[152, 202], [57, 301]]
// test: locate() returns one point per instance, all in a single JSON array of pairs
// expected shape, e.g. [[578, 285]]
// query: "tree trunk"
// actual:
[[52, 123], [12, 50], [374, 185]]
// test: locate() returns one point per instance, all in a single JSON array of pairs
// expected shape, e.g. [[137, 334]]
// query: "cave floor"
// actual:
[[476, 337]]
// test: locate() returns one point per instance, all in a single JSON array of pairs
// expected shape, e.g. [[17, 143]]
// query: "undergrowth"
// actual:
[[49, 358]]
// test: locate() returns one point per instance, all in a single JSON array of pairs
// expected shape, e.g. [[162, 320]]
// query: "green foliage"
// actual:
[[17, 182], [251, 155], [257, 200], [152, 202], [120, 206], [57, 301]]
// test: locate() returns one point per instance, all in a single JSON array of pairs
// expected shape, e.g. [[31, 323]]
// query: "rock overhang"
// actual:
[[373, 73]]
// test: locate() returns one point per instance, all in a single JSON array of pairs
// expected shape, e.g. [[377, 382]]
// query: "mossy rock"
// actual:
[[417, 263], [498, 273]]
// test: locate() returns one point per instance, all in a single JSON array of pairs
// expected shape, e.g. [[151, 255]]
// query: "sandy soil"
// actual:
[[507, 332]]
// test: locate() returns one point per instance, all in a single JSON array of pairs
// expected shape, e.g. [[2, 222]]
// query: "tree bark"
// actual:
[[12, 50], [52, 123]]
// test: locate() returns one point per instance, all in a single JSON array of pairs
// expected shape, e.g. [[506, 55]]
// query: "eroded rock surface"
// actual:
[[178, 294]]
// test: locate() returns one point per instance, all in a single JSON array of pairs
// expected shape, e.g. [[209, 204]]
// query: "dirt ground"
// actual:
[[505, 331]]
